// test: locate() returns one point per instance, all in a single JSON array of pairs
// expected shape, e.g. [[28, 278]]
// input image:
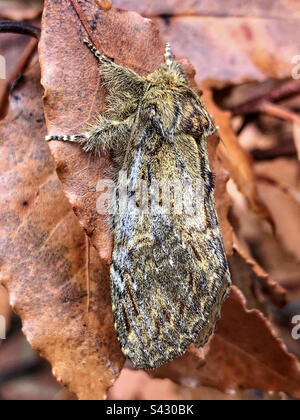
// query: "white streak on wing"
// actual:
[[117, 280], [136, 167], [121, 257], [127, 219]]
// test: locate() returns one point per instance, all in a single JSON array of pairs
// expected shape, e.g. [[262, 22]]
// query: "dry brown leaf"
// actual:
[[235, 159], [244, 353], [223, 201], [20, 9], [279, 9], [282, 267], [285, 211], [227, 50], [244, 278], [296, 132], [256, 236], [42, 257], [11, 48], [137, 385], [282, 172], [270, 288]]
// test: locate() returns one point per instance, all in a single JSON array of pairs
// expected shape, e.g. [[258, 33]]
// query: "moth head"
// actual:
[[170, 105]]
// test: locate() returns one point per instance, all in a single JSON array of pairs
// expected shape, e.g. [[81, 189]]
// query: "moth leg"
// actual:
[[103, 137], [117, 76], [77, 138], [101, 57], [107, 135], [124, 86]]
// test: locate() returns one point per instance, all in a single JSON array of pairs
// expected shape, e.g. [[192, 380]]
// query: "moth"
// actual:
[[169, 275]]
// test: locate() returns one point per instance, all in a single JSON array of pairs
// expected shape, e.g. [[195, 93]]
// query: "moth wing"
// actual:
[[168, 278]]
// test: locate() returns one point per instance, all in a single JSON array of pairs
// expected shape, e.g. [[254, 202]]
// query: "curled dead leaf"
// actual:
[[223, 200], [270, 288], [296, 129], [255, 237], [235, 159], [280, 9], [285, 210]]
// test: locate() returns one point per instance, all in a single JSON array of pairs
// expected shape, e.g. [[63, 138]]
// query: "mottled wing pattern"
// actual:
[[169, 274]]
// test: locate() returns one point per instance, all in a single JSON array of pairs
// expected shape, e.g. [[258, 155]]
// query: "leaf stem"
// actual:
[[19, 70], [286, 90], [10, 26]]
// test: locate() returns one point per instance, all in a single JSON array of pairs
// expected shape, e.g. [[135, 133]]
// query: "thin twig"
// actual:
[[287, 115], [279, 112], [19, 69], [284, 150], [284, 114], [293, 192], [22, 28], [286, 90], [9, 26]]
